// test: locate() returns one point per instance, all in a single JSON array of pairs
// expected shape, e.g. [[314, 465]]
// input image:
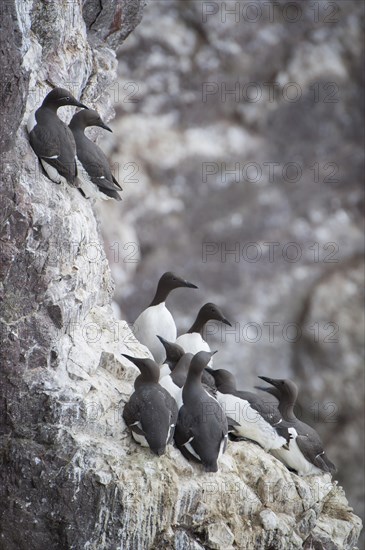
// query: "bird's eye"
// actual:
[[68, 98]]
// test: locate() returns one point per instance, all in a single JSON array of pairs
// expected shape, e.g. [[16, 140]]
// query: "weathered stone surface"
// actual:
[[112, 21], [219, 536], [15, 79], [124, 497], [70, 475]]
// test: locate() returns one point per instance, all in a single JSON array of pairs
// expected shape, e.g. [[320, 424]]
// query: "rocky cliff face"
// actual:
[[70, 476]]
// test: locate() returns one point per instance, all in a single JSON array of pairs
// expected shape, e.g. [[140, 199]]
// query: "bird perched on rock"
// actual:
[[192, 341], [305, 454], [201, 432], [178, 370], [95, 174], [52, 140], [151, 412], [253, 417], [174, 353], [175, 381], [157, 319]]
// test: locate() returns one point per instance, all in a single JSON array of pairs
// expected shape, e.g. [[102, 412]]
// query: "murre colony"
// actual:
[[197, 407], [178, 396]]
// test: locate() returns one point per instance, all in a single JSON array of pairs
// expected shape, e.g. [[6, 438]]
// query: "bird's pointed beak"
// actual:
[[102, 125], [129, 357], [78, 104], [162, 340], [226, 322], [213, 352], [271, 381], [137, 361], [211, 371], [190, 285]]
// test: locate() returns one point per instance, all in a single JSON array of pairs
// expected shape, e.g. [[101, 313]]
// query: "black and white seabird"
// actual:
[[174, 353], [151, 412], [157, 319], [305, 454], [192, 341], [175, 381], [95, 174], [253, 417], [178, 370], [201, 432], [52, 140]]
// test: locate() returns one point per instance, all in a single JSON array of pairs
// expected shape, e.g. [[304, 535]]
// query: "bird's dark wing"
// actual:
[[312, 449], [210, 390], [266, 408], [231, 424], [152, 430], [171, 405], [97, 167], [69, 172], [56, 147], [158, 413], [96, 175], [208, 438], [44, 142], [116, 183], [131, 415], [109, 192], [183, 432], [283, 430], [131, 412], [324, 463], [208, 379], [148, 407]]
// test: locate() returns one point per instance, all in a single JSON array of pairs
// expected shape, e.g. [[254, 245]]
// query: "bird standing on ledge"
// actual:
[[305, 454], [52, 140], [94, 170], [151, 412], [201, 431], [192, 341], [174, 353], [156, 319], [253, 417]]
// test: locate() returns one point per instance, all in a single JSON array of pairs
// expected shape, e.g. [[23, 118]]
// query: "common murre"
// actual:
[[253, 417], [52, 140], [151, 412], [157, 319], [175, 380], [192, 341], [305, 454], [201, 431], [174, 353], [94, 170], [178, 370]]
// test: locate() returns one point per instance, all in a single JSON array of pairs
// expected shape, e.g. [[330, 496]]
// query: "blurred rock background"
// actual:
[[238, 142]]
